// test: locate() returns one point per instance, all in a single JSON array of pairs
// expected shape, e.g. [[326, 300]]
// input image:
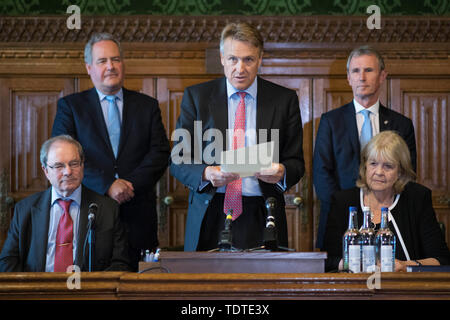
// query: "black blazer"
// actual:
[[337, 152], [142, 155], [25, 248], [277, 108], [415, 218]]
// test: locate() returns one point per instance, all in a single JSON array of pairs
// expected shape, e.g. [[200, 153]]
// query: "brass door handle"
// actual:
[[168, 200], [444, 200], [298, 201], [9, 201]]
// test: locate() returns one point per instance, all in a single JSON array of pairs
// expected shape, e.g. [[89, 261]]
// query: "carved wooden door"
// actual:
[[426, 103], [27, 110]]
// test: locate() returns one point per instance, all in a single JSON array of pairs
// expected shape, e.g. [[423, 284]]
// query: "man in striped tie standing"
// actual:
[[239, 106]]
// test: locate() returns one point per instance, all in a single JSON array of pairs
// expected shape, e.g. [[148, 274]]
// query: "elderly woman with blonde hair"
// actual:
[[386, 179]]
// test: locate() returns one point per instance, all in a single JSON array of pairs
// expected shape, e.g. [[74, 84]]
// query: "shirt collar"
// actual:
[[75, 196], [102, 96], [373, 108], [252, 90]]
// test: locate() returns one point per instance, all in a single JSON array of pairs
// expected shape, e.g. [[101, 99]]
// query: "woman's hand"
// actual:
[[401, 265]]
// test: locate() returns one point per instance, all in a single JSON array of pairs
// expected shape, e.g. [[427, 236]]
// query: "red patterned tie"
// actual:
[[233, 193], [64, 239]]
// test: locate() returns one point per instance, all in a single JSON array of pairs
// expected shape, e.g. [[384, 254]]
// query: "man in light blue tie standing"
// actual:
[[124, 139], [344, 131]]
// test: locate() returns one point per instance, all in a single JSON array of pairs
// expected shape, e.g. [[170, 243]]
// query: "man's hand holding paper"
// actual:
[[274, 174]]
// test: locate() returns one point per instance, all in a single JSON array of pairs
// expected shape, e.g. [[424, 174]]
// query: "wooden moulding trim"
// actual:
[[30, 62], [241, 285], [207, 29], [97, 285], [122, 285]]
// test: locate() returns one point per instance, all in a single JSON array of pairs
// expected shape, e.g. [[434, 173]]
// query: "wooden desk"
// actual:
[[238, 262], [116, 285]]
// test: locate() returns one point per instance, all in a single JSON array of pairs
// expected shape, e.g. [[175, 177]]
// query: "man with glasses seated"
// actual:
[[48, 229]]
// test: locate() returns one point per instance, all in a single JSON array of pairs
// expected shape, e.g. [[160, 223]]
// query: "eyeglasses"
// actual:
[[60, 166]]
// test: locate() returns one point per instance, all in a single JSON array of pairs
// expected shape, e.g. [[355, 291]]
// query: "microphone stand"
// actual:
[[270, 241], [226, 237], [91, 239], [90, 236]]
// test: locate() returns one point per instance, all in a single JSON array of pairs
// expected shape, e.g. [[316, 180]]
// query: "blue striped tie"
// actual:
[[113, 123], [366, 132]]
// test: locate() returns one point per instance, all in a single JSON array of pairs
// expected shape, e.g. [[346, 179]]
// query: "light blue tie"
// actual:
[[113, 123], [366, 132]]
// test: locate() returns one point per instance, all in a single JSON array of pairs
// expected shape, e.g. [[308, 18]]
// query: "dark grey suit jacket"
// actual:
[[25, 248], [277, 108]]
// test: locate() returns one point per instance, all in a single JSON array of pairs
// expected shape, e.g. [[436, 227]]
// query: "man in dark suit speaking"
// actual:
[[48, 229], [244, 105], [124, 140], [344, 131]]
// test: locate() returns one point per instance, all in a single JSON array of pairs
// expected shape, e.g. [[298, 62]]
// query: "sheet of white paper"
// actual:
[[249, 160]]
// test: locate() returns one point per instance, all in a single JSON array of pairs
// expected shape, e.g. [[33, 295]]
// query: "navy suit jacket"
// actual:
[[277, 108], [142, 157], [25, 248], [337, 152]]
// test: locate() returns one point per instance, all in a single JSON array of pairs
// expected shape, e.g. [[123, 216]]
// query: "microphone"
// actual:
[[92, 212], [226, 237], [270, 232], [270, 206], [90, 236]]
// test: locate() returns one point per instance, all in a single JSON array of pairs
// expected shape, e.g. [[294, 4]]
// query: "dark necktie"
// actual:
[[64, 239]]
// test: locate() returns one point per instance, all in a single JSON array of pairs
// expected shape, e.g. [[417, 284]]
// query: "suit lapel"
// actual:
[[99, 119], [218, 108], [86, 199], [127, 121], [265, 108], [350, 122], [40, 219], [384, 118]]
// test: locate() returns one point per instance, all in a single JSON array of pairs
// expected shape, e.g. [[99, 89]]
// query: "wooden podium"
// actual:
[[237, 262]]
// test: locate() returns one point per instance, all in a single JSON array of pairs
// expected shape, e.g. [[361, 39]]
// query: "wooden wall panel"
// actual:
[[32, 119], [30, 105], [426, 103], [174, 195], [300, 215]]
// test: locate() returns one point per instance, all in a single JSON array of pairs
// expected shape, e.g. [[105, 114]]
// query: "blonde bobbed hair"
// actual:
[[389, 146]]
